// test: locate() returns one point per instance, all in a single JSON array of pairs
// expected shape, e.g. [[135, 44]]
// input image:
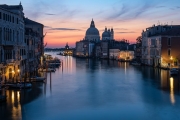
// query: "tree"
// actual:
[[138, 49], [139, 41]]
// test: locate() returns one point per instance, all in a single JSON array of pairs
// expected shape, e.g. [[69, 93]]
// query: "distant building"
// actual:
[[67, 46], [126, 55], [68, 51], [160, 46], [105, 49], [93, 46], [114, 54]]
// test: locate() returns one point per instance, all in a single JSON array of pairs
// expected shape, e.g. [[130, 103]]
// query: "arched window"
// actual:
[[13, 36], [169, 41], [169, 52], [4, 34], [10, 73], [7, 34], [10, 35]]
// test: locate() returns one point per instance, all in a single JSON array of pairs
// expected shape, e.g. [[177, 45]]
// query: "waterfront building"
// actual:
[[114, 54], [34, 41], [84, 48], [80, 49], [160, 46], [126, 55], [92, 45], [19, 39], [67, 51], [12, 46], [105, 49]]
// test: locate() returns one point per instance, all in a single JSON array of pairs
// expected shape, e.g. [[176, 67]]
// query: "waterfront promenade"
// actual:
[[88, 89]]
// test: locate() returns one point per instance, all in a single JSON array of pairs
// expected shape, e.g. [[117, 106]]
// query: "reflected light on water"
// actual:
[[125, 67], [12, 97], [172, 90]]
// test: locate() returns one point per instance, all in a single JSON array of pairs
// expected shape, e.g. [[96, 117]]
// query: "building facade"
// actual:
[[114, 54], [12, 46], [159, 46], [14, 43]]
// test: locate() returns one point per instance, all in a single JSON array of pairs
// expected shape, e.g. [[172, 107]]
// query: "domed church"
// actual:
[[92, 33]]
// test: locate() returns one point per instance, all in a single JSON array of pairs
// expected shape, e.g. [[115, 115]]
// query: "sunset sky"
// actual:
[[67, 20]]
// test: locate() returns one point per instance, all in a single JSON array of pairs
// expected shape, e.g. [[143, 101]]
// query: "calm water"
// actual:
[[97, 90]]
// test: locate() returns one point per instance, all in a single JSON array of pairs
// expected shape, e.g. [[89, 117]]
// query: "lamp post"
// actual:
[[18, 73], [13, 74]]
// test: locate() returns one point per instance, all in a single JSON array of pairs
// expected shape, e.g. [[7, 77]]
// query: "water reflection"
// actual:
[[100, 86], [172, 90]]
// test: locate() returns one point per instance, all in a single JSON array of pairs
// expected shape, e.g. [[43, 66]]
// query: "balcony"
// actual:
[[10, 61], [9, 43]]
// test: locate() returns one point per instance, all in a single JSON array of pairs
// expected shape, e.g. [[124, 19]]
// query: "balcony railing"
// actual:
[[10, 61], [9, 43]]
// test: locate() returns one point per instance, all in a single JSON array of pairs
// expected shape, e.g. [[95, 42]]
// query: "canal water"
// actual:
[[85, 89]]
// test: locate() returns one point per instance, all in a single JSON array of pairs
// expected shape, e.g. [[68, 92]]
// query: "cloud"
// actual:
[[60, 11], [126, 32], [69, 36], [124, 11], [49, 14], [65, 29], [160, 6], [61, 29], [47, 27], [120, 29]]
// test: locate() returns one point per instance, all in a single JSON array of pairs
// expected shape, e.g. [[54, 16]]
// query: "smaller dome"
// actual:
[[106, 34]]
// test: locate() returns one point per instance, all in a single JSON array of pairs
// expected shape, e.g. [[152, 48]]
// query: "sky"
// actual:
[[66, 21]]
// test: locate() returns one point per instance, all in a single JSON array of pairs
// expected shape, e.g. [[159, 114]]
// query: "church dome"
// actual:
[[92, 30], [106, 34]]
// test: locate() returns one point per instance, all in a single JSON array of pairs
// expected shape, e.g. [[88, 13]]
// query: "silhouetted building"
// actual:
[[92, 46]]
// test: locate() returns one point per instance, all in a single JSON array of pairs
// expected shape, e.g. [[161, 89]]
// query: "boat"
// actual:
[[37, 79], [19, 85], [136, 63], [2, 98], [47, 70], [174, 71]]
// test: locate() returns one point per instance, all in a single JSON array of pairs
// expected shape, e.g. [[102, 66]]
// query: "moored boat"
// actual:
[[2, 98], [19, 85], [174, 71], [136, 63], [37, 79]]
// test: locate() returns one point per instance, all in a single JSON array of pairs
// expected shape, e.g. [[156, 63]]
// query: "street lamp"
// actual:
[[171, 58], [13, 75], [18, 73]]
